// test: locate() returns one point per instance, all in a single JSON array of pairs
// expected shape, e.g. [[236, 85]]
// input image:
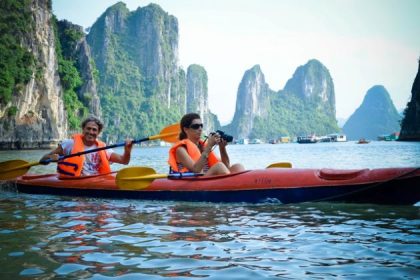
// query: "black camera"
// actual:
[[226, 137]]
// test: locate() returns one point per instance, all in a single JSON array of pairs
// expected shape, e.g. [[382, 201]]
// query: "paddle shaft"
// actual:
[[138, 177], [47, 161], [102, 148], [152, 177]]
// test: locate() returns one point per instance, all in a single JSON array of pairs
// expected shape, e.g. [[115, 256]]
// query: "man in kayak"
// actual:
[[89, 163], [191, 154]]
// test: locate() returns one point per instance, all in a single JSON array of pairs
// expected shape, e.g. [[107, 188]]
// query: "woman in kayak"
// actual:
[[191, 154], [90, 163]]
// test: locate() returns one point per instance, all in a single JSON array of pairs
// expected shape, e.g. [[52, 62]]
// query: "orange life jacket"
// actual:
[[73, 166], [192, 151]]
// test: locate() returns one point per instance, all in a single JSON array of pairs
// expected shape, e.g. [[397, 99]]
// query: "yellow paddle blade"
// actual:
[[137, 178], [169, 133], [14, 168], [280, 165]]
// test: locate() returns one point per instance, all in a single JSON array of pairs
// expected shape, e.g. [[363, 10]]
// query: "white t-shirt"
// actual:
[[92, 160]]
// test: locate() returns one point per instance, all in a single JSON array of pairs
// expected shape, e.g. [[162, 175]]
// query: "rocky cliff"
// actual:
[[312, 83], [33, 116], [74, 47], [306, 105], [142, 87], [410, 125], [88, 91], [197, 97], [376, 116], [126, 70], [197, 93], [252, 101]]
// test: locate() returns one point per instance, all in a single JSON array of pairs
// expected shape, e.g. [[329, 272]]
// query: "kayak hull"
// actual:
[[399, 186]]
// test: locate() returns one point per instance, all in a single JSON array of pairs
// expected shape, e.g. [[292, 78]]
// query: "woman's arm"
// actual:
[[184, 158], [223, 153]]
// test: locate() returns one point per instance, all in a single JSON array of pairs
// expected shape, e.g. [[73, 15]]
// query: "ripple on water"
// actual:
[[31, 271], [69, 268], [123, 239]]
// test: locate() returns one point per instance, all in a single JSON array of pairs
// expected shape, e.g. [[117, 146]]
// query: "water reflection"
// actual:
[[87, 238], [45, 237]]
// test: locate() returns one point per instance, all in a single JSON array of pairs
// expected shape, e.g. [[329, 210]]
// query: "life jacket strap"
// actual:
[[61, 171], [74, 165]]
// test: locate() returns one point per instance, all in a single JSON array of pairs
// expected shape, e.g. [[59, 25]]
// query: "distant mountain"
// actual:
[[376, 116], [141, 85], [312, 83], [410, 125], [341, 122], [197, 96], [306, 105], [252, 103]]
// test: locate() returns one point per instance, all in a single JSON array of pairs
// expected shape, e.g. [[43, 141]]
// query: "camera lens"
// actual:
[[226, 137]]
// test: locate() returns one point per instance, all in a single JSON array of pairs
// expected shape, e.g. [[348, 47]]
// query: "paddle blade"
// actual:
[[14, 168], [136, 178], [280, 165], [168, 134]]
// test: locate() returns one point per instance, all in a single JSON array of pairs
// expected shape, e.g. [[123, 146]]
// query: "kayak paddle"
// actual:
[[280, 165], [14, 168], [138, 177]]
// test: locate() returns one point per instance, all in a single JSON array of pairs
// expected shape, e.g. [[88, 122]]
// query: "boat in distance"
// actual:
[[363, 141], [399, 186], [311, 139]]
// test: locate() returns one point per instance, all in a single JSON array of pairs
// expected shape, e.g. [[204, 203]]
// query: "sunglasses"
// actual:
[[196, 126]]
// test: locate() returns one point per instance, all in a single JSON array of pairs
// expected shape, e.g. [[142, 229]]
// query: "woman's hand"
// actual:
[[222, 144], [223, 152], [213, 139]]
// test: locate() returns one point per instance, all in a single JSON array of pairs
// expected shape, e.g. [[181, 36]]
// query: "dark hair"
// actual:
[[186, 122], [95, 120]]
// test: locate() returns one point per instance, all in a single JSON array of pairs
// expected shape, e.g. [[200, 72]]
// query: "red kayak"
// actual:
[[283, 185]]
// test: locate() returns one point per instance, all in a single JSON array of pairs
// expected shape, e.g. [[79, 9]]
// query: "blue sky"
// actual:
[[362, 42]]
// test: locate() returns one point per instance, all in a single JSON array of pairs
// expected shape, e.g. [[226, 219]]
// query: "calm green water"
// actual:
[[53, 237]]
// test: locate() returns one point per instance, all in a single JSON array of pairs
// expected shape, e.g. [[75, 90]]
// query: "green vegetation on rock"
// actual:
[[139, 82], [17, 64], [65, 44], [289, 116], [306, 105]]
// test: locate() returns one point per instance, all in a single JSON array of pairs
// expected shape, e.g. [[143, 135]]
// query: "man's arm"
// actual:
[[54, 154], [125, 157]]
